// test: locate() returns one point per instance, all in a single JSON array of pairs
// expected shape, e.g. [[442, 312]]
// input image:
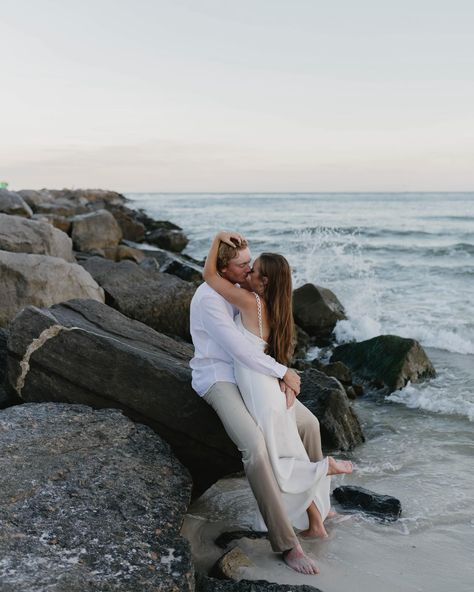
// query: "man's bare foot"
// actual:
[[316, 531], [299, 561], [336, 467]]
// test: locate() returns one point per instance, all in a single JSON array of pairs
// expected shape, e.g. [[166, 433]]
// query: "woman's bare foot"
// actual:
[[297, 559], [316, 531], [332, 514], [336, 467], [316, 527]]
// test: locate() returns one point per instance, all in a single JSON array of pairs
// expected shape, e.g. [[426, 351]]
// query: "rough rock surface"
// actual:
[[228, 566], [23, 235], [326, 398], [316, 310], [90, 502], [206, 584], [157, 299], [132, 228], [184, 267], [13, 203], [96, 230], [60, 207], [162, 233], [60, 222], [384, 507], [41, 280], [386, 361], [109, 360]]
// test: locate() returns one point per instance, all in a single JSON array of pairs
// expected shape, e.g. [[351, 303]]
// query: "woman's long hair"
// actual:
[[278, 296]]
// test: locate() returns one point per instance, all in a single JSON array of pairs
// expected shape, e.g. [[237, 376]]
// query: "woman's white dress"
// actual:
[[301, 481]]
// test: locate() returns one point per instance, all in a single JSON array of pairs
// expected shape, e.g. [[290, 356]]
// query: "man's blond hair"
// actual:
[[226, 253]]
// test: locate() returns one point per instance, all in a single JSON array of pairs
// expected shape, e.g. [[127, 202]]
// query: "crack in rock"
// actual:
[[43, 337]]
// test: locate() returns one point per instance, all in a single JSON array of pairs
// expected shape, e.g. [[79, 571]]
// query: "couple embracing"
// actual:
[[242, 330]]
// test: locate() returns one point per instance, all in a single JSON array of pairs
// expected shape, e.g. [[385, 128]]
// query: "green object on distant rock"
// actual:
[[3, 185]]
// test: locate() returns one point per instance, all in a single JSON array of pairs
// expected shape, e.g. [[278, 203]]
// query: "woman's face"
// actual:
[[254, 278]]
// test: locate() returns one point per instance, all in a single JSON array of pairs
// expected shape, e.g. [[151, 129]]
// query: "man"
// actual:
[[217, 343]]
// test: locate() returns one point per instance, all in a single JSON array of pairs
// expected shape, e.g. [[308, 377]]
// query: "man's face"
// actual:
[[238, 267]]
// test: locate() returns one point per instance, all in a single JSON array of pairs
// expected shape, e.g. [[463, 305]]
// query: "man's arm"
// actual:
[[222, 329]]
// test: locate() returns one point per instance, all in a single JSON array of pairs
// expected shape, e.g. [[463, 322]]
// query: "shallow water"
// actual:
[[400, 264]]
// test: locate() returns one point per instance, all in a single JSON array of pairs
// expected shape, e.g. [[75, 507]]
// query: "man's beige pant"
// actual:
[[227, 402]]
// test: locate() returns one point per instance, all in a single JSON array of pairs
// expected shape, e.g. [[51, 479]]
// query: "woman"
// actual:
[[265, 319]]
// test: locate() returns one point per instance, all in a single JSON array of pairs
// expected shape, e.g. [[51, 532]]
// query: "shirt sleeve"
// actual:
[[221, 327]]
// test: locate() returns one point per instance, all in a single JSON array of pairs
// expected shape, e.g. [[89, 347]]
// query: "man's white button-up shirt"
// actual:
[[218, 342]]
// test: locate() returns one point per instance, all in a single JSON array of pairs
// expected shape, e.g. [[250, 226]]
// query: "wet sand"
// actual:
[[359, 551]]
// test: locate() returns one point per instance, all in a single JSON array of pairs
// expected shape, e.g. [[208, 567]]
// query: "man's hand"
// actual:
[[289, 394], [292, 380]]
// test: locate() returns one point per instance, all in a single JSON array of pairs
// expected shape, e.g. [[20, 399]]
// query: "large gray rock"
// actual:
[[61, 207], [89, 196], [90, 502], [162, 233], [326, 398], [41, 280], [316, 310], [12, 203], [94, 231], [24, 235], [182, 266], [386, 361], [86, 352], [132, 228], [35, 197], [157, 299]]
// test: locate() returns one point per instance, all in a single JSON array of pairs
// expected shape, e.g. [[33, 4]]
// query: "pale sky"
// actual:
[[237, 95]]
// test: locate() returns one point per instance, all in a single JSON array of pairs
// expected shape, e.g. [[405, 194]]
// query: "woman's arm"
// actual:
[[242, 299]]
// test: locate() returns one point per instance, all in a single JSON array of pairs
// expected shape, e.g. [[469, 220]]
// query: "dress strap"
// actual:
[[259, 314]]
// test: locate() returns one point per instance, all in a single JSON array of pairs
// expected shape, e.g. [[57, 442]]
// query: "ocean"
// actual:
[[402, 264]]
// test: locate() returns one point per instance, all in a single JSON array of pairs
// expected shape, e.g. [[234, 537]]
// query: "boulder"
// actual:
[[12, 203], [61, 207], [24, 235], [35, 197], [384, 507], [169, 239], [162, 233], [41, 280], [182, 266], [326, 399], [83, 351], [132, 228], [228, 567], [316, 310], [336, 370], [157, 299], [89, 196], [207, 584], [96, 230], [59, 222], [386, 361], [302, 343], [90, 502]]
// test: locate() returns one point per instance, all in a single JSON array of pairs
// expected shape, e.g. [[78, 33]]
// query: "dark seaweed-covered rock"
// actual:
[[384, 507], [207, 584], [87, 352], [316, 310], [90, 502], [386, 361], [326, 399]]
